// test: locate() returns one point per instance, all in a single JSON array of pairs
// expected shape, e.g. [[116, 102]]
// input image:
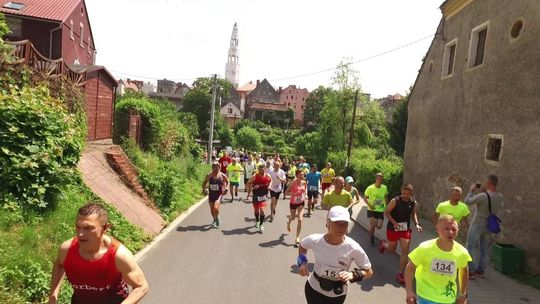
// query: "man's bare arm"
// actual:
[[132, 275], [58, 272]]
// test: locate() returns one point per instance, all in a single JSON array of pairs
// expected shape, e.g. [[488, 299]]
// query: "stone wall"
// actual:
[[452, 118]]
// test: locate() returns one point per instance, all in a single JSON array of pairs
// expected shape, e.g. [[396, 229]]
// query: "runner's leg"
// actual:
[[313, 297], [291, 218], [300, 217], [372, 225], [403, 259]]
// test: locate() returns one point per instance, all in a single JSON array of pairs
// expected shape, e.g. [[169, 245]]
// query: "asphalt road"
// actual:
[[237, 264]]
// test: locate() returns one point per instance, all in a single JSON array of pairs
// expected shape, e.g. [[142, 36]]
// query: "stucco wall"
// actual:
[[450, 119]]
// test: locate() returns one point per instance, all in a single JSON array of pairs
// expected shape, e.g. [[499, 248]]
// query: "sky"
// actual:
[[279, 40]]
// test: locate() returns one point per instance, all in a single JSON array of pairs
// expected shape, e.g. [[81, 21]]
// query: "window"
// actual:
[[516, 28], [14, 6], [71, 29], [81, 34], [477, 45], [448, 58], [494, 147], [430, 67], [230, 110]]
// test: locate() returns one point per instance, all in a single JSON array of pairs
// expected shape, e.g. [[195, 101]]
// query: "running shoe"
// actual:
[[372, 240], [381, 246], [257, 224], [271, 219], [480, 274], [261, 228], [214, 224], [218, 221], [472, 275], [400, 278]]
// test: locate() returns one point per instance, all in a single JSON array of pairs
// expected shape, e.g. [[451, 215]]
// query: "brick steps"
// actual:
[[120, 163]]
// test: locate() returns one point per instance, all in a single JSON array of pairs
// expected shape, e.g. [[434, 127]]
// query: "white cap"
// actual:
[[339, 213]]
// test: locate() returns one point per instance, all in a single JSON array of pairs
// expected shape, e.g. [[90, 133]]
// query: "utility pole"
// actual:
[[212, 114], [351, 135]]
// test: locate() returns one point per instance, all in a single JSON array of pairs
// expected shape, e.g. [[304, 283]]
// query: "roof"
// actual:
[[128, 84], [250, 86], [92, 68], [56, 10], [268, 106]]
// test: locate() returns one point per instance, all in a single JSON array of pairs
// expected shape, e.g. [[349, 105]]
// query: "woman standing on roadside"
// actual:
[[297, 189], [334, 253]]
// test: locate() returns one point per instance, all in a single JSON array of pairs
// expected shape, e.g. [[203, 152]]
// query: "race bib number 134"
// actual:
[[445, 267]]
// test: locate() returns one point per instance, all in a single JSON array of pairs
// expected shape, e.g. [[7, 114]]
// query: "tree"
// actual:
[[205, 84], [249, 139], [314, 106], [198, 102], [373, 116], [398, 127]]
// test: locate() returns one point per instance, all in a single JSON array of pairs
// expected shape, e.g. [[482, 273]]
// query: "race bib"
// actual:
[[298, 199], [214, 187], [313, 188], [378, 202], [329, 273], [401, 226], [445, 267], [261, 198], [225, 164], [326, 174]]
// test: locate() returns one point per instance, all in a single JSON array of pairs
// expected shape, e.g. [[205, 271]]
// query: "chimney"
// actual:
[[280, 89], [258, 82]]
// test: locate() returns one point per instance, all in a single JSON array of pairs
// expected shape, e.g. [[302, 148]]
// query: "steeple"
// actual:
[[232, 68]]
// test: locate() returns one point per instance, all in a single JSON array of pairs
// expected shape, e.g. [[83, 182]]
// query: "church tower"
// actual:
[[232, 68]]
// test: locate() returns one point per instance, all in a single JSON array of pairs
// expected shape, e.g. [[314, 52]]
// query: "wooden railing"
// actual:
[[27, 53]]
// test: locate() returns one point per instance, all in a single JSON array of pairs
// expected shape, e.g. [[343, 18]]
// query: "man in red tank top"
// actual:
[[98, 267], [259, 183]]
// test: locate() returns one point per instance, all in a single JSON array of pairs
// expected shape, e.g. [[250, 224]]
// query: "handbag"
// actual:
[[493, 224]]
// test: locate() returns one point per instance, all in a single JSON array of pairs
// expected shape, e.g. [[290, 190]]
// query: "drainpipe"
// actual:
[[51, 39]]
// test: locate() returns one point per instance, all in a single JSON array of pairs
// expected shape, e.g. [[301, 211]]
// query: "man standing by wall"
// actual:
[[478, 232], [376, 197]]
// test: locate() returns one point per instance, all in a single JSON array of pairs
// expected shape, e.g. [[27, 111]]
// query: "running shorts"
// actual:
[[394, 236], [275, 194], [257, 203], [325, 186], [236, 184], [313, 194], [214, 196], [295, 206], [377, 215]]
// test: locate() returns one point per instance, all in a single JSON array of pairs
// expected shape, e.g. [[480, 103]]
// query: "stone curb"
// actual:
[[139, 256]]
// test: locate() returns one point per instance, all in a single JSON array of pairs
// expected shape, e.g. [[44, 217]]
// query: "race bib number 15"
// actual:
[[443, 267]]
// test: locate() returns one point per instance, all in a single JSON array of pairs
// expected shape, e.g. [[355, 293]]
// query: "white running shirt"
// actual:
[[331, 259], [276, 184]]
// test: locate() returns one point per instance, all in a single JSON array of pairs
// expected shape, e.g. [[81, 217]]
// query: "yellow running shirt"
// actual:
[[459, 211], [436, 270], [377, 196], [332, 199], [233, 172], [328, 175]]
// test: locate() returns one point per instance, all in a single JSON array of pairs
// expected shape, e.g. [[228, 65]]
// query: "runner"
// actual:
[[276, 187], [291, 175], [97, 266], [285, 166], [297, 189], [249, 169], [313, 183], [399, 213], [234, 171], [338, 196], [435, 264], [224, 161], [328, 175], [302, 165], [218, 185], [334, 253], [349, 181], [454, 206], [259, 183], [376, 197]]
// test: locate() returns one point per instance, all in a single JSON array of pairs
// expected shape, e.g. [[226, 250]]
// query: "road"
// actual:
[[237, 264]]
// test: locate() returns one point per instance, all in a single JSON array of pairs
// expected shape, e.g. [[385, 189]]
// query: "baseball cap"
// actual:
[[349, 179], [339, 213]]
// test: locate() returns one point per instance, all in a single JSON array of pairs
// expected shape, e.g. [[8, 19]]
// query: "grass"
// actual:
[[29, 243]]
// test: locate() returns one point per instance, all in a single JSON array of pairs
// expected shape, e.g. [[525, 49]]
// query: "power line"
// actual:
[[146, 77], [357, 61]]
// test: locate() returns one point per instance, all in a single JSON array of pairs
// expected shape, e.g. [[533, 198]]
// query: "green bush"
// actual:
[[365, 164], [40, 145], [249, 139]]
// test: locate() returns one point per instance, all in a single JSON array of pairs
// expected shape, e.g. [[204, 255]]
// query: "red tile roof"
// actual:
[[248, 87], [268, 106], [56, 10]]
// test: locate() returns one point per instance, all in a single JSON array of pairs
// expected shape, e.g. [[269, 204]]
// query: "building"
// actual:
[[231, 114], [148, 88], [243, 92], [172, 91], [389, 103], [263, 103], [294, 98], [232, 68], [126, 84], [474, 110], [57, 29]]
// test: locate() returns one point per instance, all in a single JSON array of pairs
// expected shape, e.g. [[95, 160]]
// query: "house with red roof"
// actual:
[[59, 32]]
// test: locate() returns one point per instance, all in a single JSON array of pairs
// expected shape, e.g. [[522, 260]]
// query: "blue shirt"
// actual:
[[313, 179]]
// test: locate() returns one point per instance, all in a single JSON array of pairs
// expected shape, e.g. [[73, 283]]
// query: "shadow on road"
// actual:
[[279, 242], [294, 268], [249, 219], [194, 228], [239, 231]]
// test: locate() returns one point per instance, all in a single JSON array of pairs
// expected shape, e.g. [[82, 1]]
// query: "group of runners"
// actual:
[[99, 268]]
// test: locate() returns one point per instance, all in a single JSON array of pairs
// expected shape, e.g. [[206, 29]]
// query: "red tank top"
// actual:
[[263, 182], [95, 281]]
